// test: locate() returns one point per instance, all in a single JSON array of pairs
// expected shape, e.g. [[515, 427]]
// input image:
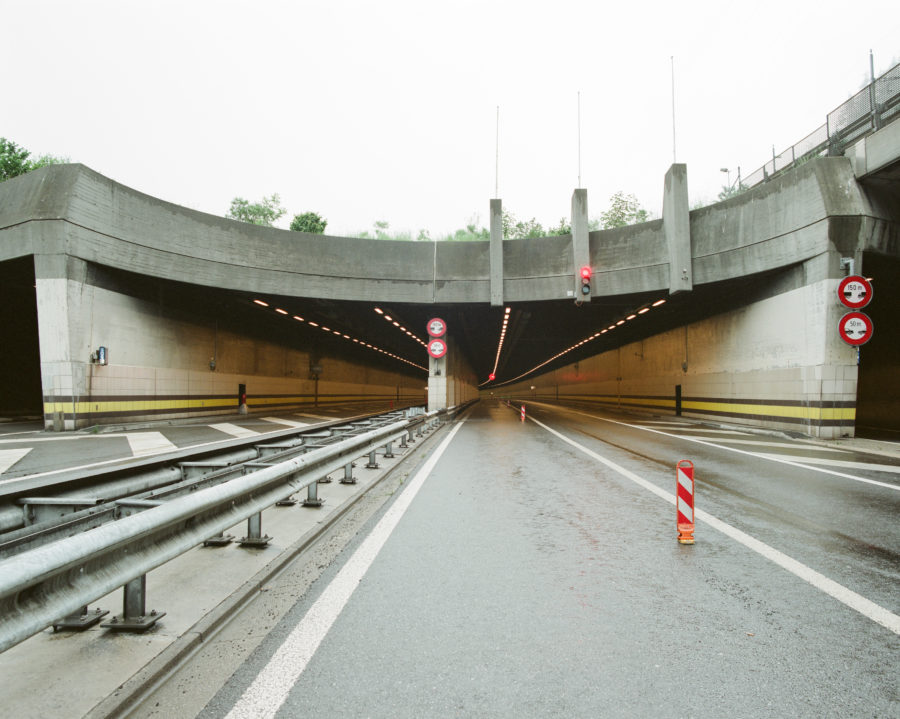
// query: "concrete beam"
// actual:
[[677, 228]]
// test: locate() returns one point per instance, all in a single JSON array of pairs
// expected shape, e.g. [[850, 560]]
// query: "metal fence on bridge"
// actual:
[[868, 110]]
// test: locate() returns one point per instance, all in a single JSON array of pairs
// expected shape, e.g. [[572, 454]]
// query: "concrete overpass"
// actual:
[[195, 309]]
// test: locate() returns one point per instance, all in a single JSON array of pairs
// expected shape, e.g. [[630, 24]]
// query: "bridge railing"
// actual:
[[868, 110]]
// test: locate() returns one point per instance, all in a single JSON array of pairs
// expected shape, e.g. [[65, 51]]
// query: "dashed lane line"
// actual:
[[893, 468], [234, 430], [8, 457], [846, 596], [147, 443]]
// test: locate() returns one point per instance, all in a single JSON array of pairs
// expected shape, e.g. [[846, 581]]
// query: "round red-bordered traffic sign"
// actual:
[[855, 292], [856, 328], [436, 327], [437, 348]]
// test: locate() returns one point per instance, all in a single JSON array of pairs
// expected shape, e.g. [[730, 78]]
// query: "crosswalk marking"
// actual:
[[144, 443], [288, 422], [8, 457], [234, 430], [844, 464]]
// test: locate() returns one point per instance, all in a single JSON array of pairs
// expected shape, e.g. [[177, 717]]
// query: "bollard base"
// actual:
[[685, 533], [142, 623]]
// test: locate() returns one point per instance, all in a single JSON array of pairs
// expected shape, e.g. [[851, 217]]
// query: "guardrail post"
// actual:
[[134, 617], [403, 444], [348, 474], [372, 463], [255, 536], [312, 496], [389, 450]]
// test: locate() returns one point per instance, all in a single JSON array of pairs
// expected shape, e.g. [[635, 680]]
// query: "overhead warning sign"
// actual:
[[856, 328], [855, 292]]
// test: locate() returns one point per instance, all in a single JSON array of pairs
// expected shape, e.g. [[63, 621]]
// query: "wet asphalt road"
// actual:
[[528, 579]]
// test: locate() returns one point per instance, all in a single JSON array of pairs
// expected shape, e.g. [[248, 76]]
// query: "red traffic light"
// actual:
[[586, 280], [586, 272], [492, 377]]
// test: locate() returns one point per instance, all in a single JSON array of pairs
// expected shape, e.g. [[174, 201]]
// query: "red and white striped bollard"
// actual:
[[684, 484]]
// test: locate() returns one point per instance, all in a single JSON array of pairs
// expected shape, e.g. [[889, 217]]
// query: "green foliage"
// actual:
[[309, 222], [733, 191], [563, 228], [266, 212], [623, 210], [14, 160], [514, 229]]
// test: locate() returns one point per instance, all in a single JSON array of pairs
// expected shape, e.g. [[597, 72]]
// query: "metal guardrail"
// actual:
[[868, 110], [40, 586]]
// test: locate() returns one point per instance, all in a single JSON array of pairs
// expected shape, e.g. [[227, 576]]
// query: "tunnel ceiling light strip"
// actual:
[[340, 334], [400, 327], [503, 328], [630, 316]]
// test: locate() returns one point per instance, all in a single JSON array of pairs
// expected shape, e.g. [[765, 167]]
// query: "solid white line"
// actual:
[[267, 693], [702, 430], [855, 601], [145, 443], [771, 457], [234, 430], [288, 422], [314, 416], [8, 457]]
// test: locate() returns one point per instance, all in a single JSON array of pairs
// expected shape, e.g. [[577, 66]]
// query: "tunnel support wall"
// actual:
[[777, 363]]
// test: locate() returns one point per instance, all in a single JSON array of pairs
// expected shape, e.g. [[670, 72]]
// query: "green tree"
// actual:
[[733, 191], [623, 210], [563, 228], [266, 212], [514, 229], [14, 160], [309, 222]]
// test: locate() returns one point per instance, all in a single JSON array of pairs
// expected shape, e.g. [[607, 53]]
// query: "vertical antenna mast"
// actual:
[[579, 138]]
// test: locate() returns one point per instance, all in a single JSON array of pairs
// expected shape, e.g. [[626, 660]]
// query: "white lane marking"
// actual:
[[855, 601], [839, 463], [783, 445], [234, 430], [771, 457], [144, 443], [314, 416], [703, 430], [8, 457], [685, 425], [288, 422], [267, 692]]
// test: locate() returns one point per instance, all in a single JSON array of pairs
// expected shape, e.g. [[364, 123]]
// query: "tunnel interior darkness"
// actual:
[[878, 389], [20, 380]]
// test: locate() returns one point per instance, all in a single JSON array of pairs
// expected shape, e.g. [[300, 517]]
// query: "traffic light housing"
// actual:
[[586, 281]]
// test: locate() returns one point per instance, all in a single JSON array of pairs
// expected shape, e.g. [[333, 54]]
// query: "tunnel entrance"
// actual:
[[878, 387], [20, 381]]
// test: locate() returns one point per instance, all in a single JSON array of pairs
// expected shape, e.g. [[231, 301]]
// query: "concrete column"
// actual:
[[496, 255], [581, 250], [63, 304], [437, 382], [677, 226]]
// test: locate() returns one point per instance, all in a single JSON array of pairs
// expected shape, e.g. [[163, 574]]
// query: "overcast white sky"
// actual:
[[386, 110]]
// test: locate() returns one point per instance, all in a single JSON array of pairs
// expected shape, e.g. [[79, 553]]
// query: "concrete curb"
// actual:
[[129, 694]]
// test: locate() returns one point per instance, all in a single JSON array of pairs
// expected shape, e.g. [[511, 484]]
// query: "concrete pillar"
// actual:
[[63, 304], [496, 255], [677, 227], [437, 382], [581, 250]]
